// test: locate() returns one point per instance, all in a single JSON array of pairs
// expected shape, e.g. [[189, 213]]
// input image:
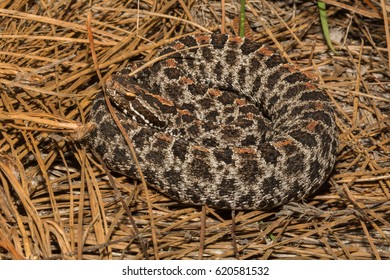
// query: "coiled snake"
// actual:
[[219, 121]]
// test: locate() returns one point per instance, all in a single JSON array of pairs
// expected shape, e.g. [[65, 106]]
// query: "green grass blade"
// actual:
[[324, 24], [242, 19]]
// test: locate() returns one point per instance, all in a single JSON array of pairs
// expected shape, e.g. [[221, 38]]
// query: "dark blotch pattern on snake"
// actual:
[[219, 121]]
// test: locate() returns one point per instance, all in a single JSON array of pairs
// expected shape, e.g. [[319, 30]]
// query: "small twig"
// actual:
[[202, 232], [233, 235]]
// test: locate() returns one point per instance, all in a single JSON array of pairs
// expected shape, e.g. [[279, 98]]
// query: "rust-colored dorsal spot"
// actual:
[[291, 67], [282, 144], [236, 40], [201, 148], [178, 46], [310, 86], [250, 116], [248, 151], [184, 112], [165, 137], [214, 92], [240, 101], [247, 29], [311, 75], [187, 80], [163, 100], [319, 106], [265, 51], [312, 125], [171, 62], [203, 39]]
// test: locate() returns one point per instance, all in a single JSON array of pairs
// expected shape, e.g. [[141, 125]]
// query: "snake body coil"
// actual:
[[219, 121]]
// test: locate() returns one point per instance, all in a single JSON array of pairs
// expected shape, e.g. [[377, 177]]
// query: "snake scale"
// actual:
[[220, 121]]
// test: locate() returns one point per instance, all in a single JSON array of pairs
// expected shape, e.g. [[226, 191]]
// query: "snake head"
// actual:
[[140, 104]]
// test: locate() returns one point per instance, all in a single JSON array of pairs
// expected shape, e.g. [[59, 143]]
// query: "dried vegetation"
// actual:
[[55, 199]]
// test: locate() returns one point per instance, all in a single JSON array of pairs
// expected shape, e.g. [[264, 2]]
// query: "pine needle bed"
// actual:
[[56, 199]]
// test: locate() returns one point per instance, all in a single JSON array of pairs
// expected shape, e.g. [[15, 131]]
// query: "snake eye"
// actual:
[[129, 95]]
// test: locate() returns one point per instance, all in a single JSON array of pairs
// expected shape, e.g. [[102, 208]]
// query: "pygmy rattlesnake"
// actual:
[[220, 121]]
